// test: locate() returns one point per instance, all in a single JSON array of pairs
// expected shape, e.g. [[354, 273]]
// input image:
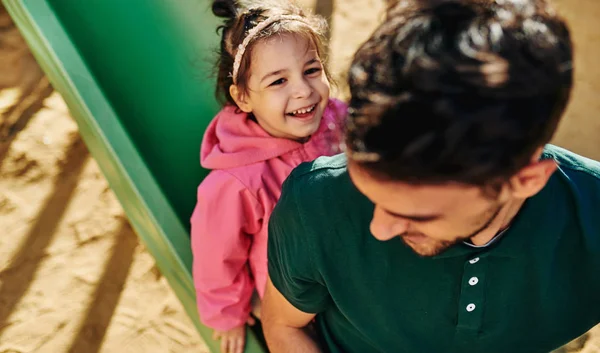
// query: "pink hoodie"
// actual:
[[230, 221]]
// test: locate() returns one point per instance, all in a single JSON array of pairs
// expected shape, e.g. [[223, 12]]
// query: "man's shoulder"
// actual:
[[581, 177], [321, 166], [322, 173], [572, 163], [320, 189]]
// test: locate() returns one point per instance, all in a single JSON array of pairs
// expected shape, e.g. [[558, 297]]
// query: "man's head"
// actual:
[[452, 103]]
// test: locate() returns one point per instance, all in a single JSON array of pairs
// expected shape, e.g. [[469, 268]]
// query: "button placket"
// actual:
[[472, 295]]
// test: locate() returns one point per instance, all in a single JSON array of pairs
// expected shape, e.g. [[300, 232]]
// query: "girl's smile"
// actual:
[[288, 90]]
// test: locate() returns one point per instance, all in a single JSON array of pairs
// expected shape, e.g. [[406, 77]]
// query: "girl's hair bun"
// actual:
[[225, 8]]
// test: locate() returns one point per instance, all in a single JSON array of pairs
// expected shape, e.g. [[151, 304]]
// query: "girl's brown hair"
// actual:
[[240, 17]]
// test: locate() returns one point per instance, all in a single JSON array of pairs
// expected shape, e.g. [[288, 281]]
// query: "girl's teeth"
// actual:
[[303, 111]]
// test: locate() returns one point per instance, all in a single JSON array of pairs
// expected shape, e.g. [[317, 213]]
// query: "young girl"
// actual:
[[277, 114]]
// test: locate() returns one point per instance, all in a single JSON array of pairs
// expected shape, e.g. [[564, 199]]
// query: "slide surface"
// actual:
[[137, 77]]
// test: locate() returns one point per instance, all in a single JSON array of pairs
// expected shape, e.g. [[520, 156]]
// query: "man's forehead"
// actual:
[[384, 191]]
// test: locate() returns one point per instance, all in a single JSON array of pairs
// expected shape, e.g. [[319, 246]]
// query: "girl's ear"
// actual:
[[240, 98]]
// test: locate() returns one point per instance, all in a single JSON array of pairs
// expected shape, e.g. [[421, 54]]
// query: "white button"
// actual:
[[473, 281], [472, 261], [470, 307]]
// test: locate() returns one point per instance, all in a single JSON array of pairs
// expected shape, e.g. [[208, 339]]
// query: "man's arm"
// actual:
[[285, 326]]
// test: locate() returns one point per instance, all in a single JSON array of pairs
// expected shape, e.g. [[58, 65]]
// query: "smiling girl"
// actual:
[[277, 114]]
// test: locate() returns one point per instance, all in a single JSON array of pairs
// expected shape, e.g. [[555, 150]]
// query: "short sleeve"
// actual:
[[292, 266]]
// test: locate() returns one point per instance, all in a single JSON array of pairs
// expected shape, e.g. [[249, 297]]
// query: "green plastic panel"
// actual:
[[136, 76]]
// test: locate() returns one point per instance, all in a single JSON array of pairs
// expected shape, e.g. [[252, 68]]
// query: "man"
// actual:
[[448, 225]]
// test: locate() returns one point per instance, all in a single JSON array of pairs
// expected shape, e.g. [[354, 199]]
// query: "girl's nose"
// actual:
[[302, 89]]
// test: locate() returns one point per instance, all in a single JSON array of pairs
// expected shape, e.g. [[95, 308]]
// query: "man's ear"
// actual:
[[240, 98], [533, 177]]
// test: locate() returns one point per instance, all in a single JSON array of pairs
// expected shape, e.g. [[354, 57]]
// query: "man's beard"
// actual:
[[433, 247]]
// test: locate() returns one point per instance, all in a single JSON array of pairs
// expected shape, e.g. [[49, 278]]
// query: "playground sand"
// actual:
[[73, 276]]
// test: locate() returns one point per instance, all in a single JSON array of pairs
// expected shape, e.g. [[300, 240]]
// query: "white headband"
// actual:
[[252, 33]]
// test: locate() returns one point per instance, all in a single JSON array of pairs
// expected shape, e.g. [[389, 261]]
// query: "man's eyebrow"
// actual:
[[415, 218]]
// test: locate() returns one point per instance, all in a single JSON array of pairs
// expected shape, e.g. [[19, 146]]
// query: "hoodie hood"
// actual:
[[233, 140]]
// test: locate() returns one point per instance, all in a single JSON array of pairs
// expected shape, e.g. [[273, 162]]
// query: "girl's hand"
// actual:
[[234, 340]]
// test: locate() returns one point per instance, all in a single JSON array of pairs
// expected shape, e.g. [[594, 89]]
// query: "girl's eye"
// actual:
[[278, 82], [312, 70]]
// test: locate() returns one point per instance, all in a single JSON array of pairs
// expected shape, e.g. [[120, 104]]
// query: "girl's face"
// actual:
[[287, 88]]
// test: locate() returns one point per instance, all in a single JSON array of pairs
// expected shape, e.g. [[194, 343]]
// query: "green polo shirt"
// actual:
[[533, 290]]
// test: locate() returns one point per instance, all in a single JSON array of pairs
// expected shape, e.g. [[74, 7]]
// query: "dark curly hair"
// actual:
[[240, 17], [458, 91]]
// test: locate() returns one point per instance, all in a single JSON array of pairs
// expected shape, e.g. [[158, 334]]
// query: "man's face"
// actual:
[[428, 218]]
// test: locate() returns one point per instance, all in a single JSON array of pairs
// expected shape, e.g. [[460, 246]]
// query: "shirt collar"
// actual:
[[540, 214]]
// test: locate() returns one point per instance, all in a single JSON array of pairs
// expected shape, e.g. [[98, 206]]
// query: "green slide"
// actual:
[[136, 77]]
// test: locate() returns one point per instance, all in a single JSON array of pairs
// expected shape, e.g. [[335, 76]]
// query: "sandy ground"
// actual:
[[73, 276]]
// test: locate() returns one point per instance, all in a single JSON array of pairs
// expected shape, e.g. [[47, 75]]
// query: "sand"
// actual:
[[73, 275]]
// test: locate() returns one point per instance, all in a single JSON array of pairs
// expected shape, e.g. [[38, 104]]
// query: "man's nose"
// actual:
[[385, 227]]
